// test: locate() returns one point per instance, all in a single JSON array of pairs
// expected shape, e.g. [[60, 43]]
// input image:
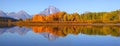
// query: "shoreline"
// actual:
[[69, 24], [59, 23]]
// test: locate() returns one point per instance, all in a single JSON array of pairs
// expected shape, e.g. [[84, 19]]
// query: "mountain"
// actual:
[[50, 10], [12, 15], [19, 15], [2, 14]]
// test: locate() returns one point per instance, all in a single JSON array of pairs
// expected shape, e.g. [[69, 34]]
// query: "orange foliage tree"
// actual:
[[38, 18]]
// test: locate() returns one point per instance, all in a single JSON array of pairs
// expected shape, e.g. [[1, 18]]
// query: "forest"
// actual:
[[87, 17]]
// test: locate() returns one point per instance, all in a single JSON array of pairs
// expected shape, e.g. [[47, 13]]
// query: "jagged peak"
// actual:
[[50, 10]]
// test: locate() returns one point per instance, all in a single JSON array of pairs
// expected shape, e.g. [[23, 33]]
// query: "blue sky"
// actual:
[[70, 6]]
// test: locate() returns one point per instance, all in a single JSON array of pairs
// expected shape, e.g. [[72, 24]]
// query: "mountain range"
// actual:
[[23, 15], [19, 15]]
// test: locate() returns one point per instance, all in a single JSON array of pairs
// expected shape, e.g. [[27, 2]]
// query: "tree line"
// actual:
[[87, 17]]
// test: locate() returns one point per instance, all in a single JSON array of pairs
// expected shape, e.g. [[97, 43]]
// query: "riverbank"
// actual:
[[64, 23], [23, 23]]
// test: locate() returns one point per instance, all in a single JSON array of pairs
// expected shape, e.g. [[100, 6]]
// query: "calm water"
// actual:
[[60, 36]]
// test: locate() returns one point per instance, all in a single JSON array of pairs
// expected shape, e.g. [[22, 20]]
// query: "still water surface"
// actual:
[[60, 36]]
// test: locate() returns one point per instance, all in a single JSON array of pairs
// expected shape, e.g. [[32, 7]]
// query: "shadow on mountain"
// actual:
[[6, 19]]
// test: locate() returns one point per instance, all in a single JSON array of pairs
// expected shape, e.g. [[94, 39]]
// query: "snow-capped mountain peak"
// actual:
[[50, 10]]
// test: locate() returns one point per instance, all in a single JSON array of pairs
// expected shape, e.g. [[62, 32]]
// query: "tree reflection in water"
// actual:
[[75, 30]]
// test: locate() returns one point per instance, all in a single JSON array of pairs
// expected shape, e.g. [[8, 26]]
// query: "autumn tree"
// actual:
[[38, 18]]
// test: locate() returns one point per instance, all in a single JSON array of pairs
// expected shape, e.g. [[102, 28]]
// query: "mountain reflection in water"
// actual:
[[15, 29]]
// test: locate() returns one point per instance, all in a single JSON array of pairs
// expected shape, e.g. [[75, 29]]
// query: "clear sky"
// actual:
[[70, 6]]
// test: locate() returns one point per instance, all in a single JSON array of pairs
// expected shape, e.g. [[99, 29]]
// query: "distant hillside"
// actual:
[[5, 19], [4, 22]]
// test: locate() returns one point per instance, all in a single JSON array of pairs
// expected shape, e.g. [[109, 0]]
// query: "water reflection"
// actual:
[[53, 32], [75, 30], [14, 29], [49, 36]]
